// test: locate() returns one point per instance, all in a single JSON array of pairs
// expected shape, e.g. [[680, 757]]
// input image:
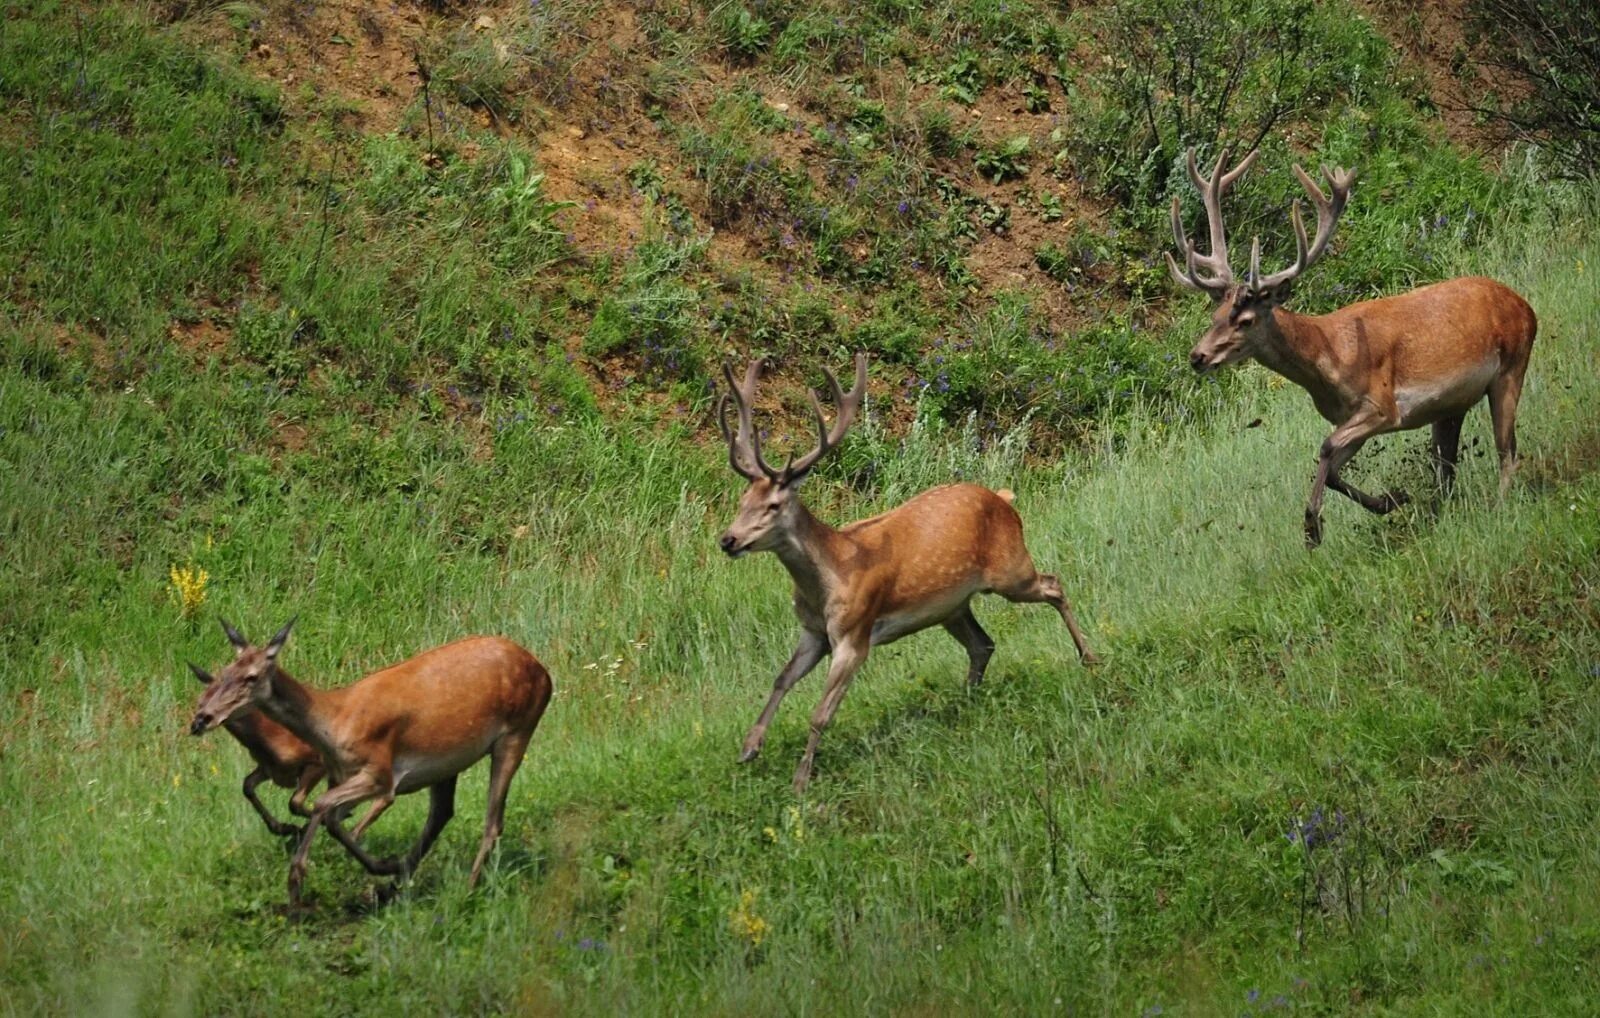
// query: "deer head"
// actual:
[[767, 508], [243, 684], [1243, 314]]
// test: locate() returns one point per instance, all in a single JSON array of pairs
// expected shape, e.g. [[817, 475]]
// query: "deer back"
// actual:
[[947, 542], [435, 704]]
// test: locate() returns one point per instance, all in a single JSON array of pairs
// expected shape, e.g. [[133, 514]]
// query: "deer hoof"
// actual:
[[1313, 532], [1394, 500], [1090, 659], [750, 753]]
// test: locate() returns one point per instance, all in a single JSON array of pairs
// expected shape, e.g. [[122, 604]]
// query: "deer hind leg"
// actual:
[[274, 825], [1043, 588], [1504, 393], [963, 625], [1446, 450], [848, 655], [806, 655], [504, 759]]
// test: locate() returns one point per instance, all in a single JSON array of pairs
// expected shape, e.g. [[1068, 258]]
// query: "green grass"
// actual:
[[1429, 678], [1103, 841]]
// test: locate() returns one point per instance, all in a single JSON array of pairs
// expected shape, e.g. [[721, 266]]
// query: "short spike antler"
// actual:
[[1328, 212], [1211, 190]]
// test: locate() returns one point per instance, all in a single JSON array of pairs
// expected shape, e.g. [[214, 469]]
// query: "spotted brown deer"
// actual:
[[876, 580], [414, 725], [1422, 357], [281, 756]]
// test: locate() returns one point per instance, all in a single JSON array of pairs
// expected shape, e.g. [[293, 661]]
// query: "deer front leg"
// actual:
[[309, 776], [848, 654], [274, 825], [386, 867], [806, 655], [1345, 441], [358, 788]]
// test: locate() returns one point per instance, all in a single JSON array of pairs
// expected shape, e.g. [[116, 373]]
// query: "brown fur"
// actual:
[[1419, 358], [879, 579], [410, 726]]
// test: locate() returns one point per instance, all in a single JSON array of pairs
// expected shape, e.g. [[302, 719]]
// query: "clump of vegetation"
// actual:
[[1543, 59]]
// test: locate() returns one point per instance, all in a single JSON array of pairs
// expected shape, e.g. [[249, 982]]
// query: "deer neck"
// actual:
[[303, 710], [1297, 347], [807, 550], [246, 728]]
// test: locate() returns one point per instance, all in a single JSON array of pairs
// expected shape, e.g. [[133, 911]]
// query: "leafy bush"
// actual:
[[521, 220], [1549, 53]]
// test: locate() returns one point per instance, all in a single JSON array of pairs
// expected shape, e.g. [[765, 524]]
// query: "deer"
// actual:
[[414, 725], [876, 580], [1424, 357], [281, 756]]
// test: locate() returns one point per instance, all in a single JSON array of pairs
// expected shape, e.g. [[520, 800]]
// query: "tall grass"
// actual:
[[1360, 779]]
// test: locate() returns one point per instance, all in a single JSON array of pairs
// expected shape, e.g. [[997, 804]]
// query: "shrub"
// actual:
[[1550, 51]]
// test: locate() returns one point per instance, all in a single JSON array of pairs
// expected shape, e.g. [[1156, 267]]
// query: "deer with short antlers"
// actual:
[[876, 580], [281, 756], [1422, 357], [414, 725]]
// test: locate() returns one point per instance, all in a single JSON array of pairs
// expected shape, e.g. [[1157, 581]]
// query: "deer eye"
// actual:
[[1246, 318]]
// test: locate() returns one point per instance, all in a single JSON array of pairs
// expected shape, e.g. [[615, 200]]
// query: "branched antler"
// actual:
[[744, 442], [1328, 212], [744, 445], [1215, 263], [1221, 277]]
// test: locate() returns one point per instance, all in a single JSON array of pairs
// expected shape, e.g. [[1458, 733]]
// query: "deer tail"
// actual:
[[1007, 495]]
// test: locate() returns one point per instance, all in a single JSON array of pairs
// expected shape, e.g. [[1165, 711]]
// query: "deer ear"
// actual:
[[201, 674], [276, 644], [234, 636]]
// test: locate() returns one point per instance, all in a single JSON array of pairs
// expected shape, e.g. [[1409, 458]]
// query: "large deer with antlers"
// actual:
[[876, 580], [1423, 357], [281, 756], [415, 725]]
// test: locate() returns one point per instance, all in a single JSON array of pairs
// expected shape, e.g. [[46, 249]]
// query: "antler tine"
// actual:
[[744, 445], [1328, 212], [849, 405], [1211, 191]]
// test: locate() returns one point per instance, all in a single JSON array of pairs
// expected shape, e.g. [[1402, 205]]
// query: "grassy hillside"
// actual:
[[1361, 780]]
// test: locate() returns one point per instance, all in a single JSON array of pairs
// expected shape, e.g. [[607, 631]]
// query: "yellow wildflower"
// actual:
[[796, 824], [189, 584], [746, 923]]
